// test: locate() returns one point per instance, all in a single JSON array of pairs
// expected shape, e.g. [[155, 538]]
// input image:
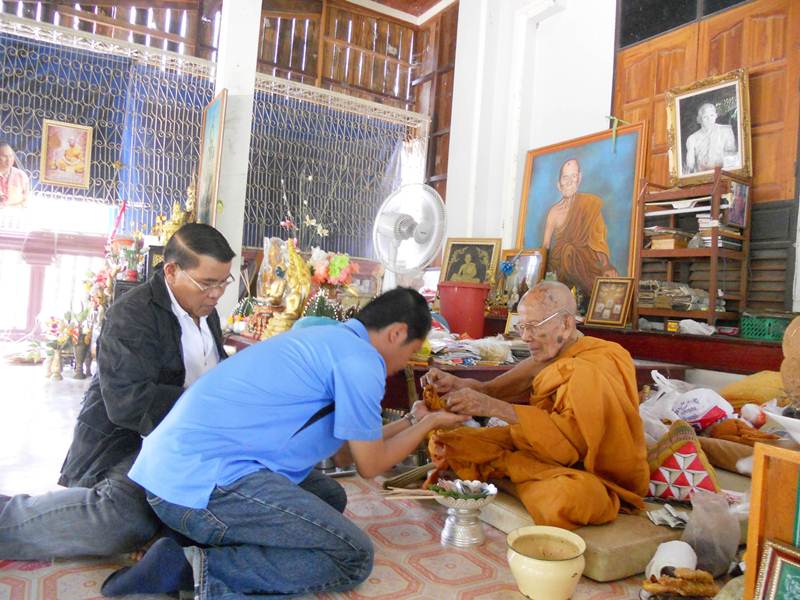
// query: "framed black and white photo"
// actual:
[[708, 126]]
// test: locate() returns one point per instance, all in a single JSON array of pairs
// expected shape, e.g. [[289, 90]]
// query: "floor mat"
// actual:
[[409, 562]]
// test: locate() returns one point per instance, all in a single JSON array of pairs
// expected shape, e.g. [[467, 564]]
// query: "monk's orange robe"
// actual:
[[579, 251], [578, 452]]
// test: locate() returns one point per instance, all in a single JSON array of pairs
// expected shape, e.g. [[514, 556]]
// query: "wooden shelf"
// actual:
[[690, 253], [687, 314], [715, 274], [696, 191]]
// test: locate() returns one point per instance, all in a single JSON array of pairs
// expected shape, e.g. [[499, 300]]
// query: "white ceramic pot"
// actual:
[[556, 570]]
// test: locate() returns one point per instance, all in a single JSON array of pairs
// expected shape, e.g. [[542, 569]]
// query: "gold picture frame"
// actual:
[[708, 125], [66, 158], [512, 319], [470, 260], [611, 301], [528, 269], [601, 218], [778, 571], [211, 132]]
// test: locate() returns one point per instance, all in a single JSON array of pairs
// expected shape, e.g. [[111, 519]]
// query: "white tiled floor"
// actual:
[[36, 425]]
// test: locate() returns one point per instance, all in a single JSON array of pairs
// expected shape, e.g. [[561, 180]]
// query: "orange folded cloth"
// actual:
[[734, 430]]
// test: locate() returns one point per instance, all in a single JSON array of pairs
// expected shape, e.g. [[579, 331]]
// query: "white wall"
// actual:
[[528, 73]]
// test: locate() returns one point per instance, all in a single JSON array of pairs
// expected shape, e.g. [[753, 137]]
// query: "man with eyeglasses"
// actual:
[[575, 450], [575, 234], [156, 340]]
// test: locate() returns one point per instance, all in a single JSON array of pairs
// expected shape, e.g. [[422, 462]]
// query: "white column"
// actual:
[[235, 71], [528, 73]]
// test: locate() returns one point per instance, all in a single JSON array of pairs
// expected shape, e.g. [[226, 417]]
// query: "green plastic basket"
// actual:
[[754, 327]]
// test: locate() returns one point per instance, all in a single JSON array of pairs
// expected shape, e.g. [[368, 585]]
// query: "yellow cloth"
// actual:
[[758, 388], [573, 254], [578, 450]]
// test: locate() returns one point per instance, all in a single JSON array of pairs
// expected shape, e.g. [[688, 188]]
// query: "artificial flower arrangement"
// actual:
[[330, 268], [74, 329]]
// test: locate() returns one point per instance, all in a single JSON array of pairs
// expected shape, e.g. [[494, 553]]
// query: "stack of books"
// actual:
[[729, 236], [666, 238], [670, 295]]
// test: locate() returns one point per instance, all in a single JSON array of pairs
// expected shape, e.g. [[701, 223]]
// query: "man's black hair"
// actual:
[[197, 239], [400, 305]]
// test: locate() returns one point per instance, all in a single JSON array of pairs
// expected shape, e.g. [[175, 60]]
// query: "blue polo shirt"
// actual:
[[247, 413]]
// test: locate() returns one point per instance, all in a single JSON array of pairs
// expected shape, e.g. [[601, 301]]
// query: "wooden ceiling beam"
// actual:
[[178, 4], [117, 24]]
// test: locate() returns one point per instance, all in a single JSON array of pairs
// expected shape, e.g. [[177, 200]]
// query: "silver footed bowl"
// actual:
[[486, 491]]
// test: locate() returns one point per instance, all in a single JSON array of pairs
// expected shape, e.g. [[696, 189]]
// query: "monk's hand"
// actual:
[[441, 381], [470, 402]]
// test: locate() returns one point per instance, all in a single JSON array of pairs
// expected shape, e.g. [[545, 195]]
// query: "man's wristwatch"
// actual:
[[412, 420]]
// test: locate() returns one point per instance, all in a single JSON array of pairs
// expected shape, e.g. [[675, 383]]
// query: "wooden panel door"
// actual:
[[762, 37], [644, 73]]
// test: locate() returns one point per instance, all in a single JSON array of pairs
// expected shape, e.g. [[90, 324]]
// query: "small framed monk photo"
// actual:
[[611, 301]]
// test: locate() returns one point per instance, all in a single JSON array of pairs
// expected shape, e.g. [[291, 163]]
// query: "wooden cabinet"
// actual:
[[711, 267]]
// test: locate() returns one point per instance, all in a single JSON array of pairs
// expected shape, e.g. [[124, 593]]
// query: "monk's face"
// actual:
[[546, 328], [570, 179]]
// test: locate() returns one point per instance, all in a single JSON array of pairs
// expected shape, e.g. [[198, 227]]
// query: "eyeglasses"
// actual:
[[521, 328], [207, 288]]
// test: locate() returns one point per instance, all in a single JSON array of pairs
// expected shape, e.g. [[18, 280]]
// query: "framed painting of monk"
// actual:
[[210, 158], [66, 154], [708, 126], [579, 204], [470, 260]]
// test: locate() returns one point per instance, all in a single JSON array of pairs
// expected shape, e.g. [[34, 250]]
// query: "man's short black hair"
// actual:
[[197, 239], [400, 305]]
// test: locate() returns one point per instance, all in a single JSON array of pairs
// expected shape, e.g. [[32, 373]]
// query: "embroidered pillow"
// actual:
[[678, 465]]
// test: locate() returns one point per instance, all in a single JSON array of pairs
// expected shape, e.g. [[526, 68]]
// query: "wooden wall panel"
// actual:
[[644, 74], [756, 36]]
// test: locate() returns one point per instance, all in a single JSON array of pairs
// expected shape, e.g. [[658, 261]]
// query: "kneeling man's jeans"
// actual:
[[266, 537]]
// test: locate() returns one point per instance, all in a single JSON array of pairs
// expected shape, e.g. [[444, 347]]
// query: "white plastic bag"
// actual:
[[677, 399]]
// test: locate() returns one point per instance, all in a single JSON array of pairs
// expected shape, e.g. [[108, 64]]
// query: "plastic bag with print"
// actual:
[[677, 400]]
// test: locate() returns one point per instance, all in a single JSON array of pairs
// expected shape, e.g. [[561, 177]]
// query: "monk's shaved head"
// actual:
[[551, 296]]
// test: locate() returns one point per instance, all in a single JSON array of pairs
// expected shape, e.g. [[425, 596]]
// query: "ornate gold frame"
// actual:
[[494, 258], [773, 557], [622, 320], [86, 159], [673, 97]]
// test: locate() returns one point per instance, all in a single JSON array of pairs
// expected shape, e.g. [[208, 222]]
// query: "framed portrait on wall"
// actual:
[[66, 154], [210, 158], [527, 269], [470, 260], [611, 301], [779, 572], [708, 126], [579, 204]]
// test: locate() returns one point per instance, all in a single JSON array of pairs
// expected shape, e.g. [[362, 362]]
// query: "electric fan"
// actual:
[[409, 228]]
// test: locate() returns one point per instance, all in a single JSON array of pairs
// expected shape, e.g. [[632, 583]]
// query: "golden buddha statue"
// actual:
[[165, 228], [298, 286]]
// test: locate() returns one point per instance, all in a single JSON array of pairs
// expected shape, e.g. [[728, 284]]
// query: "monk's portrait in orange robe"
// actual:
[[575, 233]]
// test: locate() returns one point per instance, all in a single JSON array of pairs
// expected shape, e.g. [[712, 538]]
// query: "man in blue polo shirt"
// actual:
[[231, 466]]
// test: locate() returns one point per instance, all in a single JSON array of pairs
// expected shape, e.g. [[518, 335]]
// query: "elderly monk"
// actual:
[[576, 452]]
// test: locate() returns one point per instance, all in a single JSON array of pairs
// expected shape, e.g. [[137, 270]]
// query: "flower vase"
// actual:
[[79, 351], [56, 365], [48, 364]]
